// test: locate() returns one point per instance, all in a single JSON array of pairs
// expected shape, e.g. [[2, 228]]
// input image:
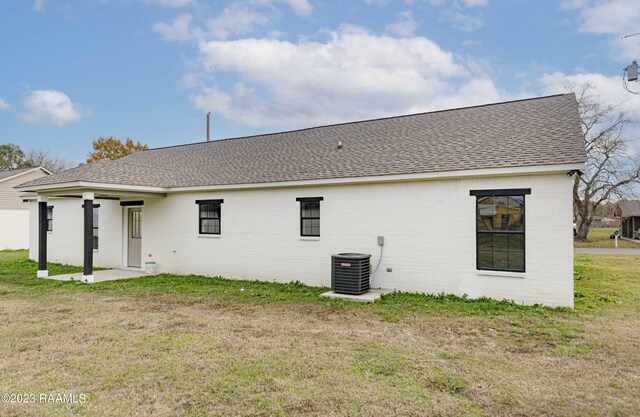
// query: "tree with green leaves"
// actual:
[[11, 157]]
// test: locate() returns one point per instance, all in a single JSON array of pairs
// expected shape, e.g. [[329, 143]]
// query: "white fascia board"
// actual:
[[476, 173], [82, 185]]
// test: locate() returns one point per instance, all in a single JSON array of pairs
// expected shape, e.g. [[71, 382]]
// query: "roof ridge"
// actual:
[[357, 122]]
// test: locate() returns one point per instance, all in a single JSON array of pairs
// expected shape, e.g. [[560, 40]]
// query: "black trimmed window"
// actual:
[[96, 230], [310, 216], [49, 218], [500, 229], [210, 215]]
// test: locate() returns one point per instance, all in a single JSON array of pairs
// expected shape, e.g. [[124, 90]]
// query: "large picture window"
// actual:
[[210, 216], [310, 216], [500, 229]]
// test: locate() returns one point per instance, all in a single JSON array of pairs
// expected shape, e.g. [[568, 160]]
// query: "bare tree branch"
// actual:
[[44, 158], [610, 169]]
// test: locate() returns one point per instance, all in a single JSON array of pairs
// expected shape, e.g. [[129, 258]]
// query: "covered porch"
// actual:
[[84, 205]]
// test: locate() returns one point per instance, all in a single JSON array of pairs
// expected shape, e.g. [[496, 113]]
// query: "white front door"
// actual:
[[134, 238]]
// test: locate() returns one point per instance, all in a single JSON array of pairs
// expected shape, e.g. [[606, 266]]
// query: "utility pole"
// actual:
[[208, 126]]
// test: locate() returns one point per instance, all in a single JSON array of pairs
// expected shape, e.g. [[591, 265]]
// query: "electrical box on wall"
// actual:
[[381, 240]]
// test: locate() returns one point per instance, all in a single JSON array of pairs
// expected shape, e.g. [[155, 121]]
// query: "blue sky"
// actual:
[[72, 71]]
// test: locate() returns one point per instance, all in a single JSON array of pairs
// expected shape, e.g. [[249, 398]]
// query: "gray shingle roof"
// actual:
[[538, 131], [629, 208]]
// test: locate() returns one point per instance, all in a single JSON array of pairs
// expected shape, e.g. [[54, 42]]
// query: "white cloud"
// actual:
[[611, 17], [190, 80], [378, 3], [461, 21], [347, 77], [178, 30], [171, 3], [50, 107], [474, 3], [608, 89], [235, 20], [574, 4], [38, 5], [404, 25], [301, 7], [3, 105]]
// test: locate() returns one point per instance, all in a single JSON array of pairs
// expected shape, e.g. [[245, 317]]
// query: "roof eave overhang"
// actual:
[[92, 186], [443, 175]]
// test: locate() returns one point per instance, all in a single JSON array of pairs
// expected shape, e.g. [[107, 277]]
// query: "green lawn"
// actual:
[[600, 238], [197, 346]]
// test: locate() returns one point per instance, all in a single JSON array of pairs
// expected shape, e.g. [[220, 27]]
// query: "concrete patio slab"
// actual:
[[368, 297], [105, 275]]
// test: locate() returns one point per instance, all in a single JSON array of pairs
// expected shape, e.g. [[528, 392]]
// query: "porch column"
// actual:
[[43, 272], [87, 275]]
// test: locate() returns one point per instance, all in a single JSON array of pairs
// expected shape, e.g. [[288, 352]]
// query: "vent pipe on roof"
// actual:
[[208, 126], [339, 145]]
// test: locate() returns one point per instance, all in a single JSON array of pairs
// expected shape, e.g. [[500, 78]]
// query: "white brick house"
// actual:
[[474, 201]]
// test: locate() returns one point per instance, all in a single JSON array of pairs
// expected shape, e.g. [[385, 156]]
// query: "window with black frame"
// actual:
[[210, 216], [49, 218], [310, 216], [500, 229]]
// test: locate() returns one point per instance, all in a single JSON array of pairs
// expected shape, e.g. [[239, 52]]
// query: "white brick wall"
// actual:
[[65, 242], [14, 229], [429, 230]]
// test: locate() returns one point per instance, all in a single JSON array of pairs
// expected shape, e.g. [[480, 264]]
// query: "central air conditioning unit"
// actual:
[[350, 273]]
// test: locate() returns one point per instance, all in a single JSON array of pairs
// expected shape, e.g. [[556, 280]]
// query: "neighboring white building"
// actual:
[[474, 201], [14, 212]]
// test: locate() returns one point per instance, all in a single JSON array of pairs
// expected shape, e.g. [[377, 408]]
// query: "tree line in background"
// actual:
[[13, 157]]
